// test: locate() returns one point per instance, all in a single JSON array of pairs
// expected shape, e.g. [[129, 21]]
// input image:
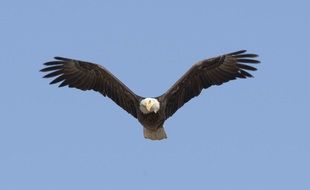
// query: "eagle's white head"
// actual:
[[149, 105]]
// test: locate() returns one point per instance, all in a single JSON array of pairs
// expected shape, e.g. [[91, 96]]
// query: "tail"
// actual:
[[158, 134]]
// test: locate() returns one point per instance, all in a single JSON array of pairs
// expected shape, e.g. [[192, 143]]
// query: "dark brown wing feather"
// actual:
[[214, 71], [90, 76]]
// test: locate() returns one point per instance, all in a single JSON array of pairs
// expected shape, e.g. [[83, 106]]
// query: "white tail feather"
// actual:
[[158, 134]]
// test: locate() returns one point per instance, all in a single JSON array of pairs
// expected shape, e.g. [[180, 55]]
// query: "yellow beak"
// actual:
[[149, 105]]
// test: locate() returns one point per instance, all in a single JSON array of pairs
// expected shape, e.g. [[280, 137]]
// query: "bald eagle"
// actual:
[[151, 112]]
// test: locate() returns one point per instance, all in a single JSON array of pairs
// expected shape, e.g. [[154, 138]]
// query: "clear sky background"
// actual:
[[247, 134]]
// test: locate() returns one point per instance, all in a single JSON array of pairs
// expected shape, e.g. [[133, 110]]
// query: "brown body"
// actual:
[[151, 121]]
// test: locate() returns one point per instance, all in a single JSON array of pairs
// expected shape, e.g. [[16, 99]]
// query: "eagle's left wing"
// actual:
[[202, 75]]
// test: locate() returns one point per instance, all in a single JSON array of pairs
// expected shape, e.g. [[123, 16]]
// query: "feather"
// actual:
[[246, 56], [248, 61], [237, 52], [246, 67], [53, 63], [245, 73], [58, 79], [52, 68], [53, 74]]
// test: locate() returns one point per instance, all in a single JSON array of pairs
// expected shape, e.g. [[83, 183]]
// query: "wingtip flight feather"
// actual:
[[51, 63], [246, 67], [250, 55], [237, 52], [246, 74], [249, 61], [62, 58], [51, 68]]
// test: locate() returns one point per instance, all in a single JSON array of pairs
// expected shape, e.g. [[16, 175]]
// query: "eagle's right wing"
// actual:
[[90, 76]]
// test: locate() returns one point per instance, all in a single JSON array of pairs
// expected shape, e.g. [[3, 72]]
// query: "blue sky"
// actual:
[[247, 134]]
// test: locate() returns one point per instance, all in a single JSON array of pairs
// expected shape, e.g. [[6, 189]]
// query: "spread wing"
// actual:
[[202, 75], [89, 76]]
